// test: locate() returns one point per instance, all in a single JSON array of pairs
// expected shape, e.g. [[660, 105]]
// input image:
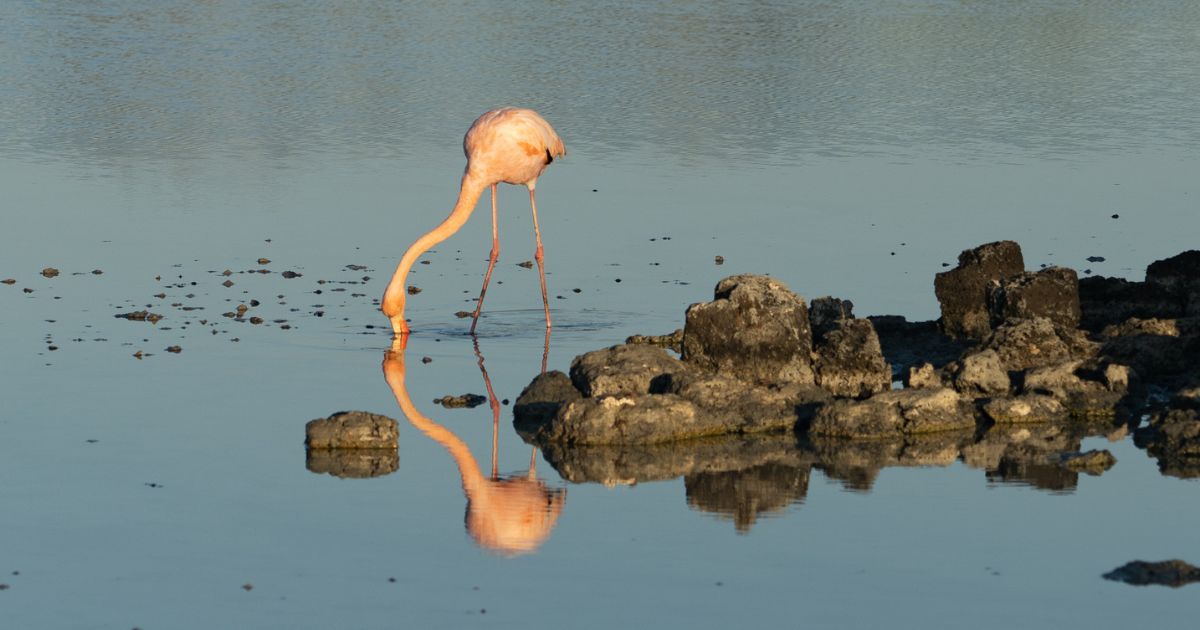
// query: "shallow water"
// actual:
[[845, 149]]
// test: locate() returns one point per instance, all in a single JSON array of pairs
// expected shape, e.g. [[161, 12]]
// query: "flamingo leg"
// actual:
[[539, 256], [491, 263]]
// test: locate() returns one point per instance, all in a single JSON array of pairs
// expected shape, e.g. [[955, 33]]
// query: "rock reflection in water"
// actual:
[[357, 463], [506, 515]]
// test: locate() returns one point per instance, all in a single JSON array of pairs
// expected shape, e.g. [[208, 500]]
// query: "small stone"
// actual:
[[247, 587], [413, 289], [49, 272], [1173, 573], [528, 264], [352, 429], [174, 349], [463, 314], [96, 272], [264, 261], [227, 283], [720, 260], [9, 281], [291, 274], [426, 360], [458, 402], [256, 320]]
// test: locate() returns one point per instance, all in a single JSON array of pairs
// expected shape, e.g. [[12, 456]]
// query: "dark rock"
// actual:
[[468, 401], [1154, 347], [622, 370], [963, 291], [50, 272], [1026, 408], [8, 281], [1107, 301], [353, 463], [1179, 274], [894, 414], [907, 344], [826, 312], [981, 374], [1172, 436], [849, 360], [1092, 462], [352, 429], [1030, 343], [139, 316], [1173, 573], [291, 274], [541, 400], [1052, 293], [755, 329]]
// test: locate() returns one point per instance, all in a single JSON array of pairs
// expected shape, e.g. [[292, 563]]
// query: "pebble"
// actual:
[[8, 281], [228, 283], [463, 314], [264, 261], [413, 289], [49, 272], [291, 274], [427, 360], [465, 400], [528, 264], [174, 349], [720, 260]]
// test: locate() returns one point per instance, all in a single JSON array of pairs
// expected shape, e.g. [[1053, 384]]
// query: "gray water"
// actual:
[[846, 148]]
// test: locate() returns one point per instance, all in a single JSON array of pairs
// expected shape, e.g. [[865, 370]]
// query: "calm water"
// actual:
[[846, 148]]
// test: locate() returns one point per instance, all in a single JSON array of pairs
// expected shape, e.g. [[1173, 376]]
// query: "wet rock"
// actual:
[[1030, 343], [353, 463], [174, 349], [1084, 388], [1108, 301], [755, 329], [640, 419], [139, 316], [8, 281], [1092, 462], [1052, 293], [622, 370], [849, 360], [1173, 573], [1026, 408], [963, 292], [468, 401], [352, 429], [745, 408], [50, 272], [673, 341], [291, 274], [540, 401], [923, 375], [981, 374], [894, 414], [1172, 436]]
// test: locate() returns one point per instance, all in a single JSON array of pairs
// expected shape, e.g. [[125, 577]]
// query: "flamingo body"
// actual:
[[507, 145]]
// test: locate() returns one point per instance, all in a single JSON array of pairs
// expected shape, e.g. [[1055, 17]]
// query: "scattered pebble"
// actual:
[[426, 360], [1116, 216], [27, 290], [247, 587], [291, 274], [8, 281], [96, 272], [463, 314], [228, 283], [264, 261], [140, 316], [528, 264], [413, 289], [49, 272], [256, 320], [720, 260], [174, 349], [1095, 259]]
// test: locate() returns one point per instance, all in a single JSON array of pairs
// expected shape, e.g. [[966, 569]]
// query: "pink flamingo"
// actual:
[[508, 145]]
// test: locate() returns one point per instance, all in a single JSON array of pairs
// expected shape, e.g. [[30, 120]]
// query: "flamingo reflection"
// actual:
[[506, 515]]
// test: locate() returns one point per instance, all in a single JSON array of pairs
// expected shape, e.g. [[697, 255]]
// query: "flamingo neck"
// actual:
[[396, 293]]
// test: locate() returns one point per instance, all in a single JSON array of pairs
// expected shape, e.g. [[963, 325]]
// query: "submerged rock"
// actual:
[[352, 429], [755, 329], [1173, 573], [462, 401], [964, 291]]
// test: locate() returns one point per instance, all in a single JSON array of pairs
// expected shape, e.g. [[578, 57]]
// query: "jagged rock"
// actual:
[[826, 312], [893, 414], [981, 374], [542, 398], [1085, 389], [963, 292], [849, 360], [1026, 408], [1030, 343], [1108, 301], [1092, 462], [622, 370], [1176, 274], [922, 376], [673, 341], [1173, 573], [1052, 293], [1154, 347], [1173, 437], [759, 408], [755, 329], [352, 429]]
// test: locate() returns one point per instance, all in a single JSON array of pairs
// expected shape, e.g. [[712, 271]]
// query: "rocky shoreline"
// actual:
[[1015, 352]]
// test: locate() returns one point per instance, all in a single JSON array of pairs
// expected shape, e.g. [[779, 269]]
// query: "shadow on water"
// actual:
[[507, 515]]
